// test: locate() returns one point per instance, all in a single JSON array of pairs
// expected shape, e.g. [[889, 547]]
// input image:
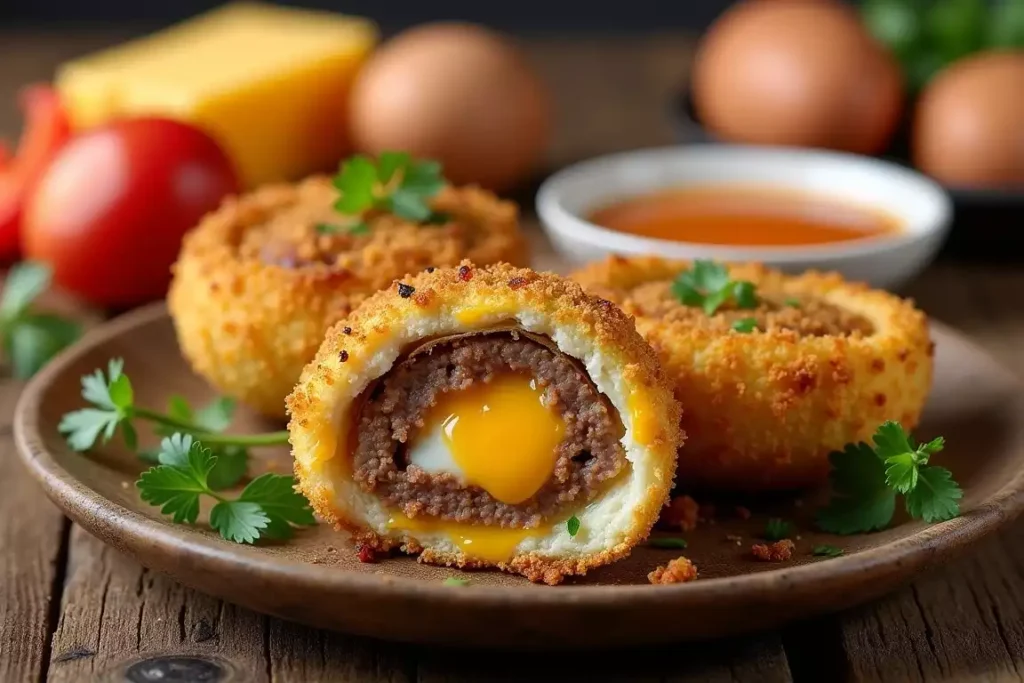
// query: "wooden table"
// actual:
[[72, 609]]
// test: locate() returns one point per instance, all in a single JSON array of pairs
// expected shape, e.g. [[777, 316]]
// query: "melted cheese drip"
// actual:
[[501, 436], [488, 543], [645, 422]]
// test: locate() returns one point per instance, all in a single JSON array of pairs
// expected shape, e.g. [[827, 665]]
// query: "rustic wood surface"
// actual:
[[72, 609]]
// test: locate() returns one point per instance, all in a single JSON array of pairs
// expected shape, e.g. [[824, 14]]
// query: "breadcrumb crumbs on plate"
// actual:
[[780, 551], [733, 538], [366, 554], [679, 570], [681, 513]]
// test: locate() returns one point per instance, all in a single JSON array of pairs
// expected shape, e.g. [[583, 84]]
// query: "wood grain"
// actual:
[[32, 534]]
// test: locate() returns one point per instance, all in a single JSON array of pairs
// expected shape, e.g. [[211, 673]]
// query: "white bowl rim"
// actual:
[[556, 217]]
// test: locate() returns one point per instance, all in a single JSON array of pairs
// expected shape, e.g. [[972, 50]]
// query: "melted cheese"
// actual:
[[492, 544], [498, 435], [645, 424], [472, 316]]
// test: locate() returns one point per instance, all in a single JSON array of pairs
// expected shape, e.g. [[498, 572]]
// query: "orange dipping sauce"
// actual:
[[738, 216]]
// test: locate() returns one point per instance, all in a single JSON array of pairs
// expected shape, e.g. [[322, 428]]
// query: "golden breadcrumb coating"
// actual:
[[259, 281], [679, 570], [364, 346], [828, 362]]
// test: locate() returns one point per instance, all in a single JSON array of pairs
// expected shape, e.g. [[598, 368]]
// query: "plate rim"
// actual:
[[76, 499]]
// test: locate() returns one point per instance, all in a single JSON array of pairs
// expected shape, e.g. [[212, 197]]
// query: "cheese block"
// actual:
[[269, 83]]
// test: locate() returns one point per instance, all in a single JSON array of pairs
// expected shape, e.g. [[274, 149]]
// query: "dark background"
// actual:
[[518, 15]]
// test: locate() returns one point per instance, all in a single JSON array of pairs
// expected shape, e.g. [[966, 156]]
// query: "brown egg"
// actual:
[[457, 93], [796, 72], [969, 123]]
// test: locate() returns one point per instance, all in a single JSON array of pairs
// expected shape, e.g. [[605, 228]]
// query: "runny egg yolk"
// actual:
[[500, 435]]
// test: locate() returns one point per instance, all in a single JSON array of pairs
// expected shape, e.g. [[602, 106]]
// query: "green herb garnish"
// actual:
[[707, 285], [666, 543], [745, 325], [865, 483], [927, 36], [826, 550], [213, 418], [573, 526], [357, 228], [112, 406], [792, 302], [777, 529], [267, 507], [396, 183], [455, 581], [195, 458], [31, 339]]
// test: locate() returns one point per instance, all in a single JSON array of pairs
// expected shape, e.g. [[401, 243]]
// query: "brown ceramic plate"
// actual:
[[316, 578]]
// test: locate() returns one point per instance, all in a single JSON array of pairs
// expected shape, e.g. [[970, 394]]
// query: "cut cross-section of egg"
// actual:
[[469, 419], [497, 435]]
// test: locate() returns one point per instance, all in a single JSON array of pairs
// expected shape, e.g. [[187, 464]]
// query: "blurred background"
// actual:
[[267, 94], [525, 15]]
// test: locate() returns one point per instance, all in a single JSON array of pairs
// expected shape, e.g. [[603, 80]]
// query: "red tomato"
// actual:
[[110, 212], [46, 130]]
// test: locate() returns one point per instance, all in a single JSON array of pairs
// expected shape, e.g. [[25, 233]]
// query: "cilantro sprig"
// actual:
[[707, 285], [196, 458], [395, 183], [31, 339], [866, 481], [268, 507], [112, 406]]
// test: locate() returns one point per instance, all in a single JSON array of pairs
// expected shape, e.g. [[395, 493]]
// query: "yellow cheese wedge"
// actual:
[[270, 84]]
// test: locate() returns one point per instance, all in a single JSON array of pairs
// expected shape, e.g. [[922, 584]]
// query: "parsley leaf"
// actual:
[[24, 283], [777, 529], [356, 180], [113, 400], [865, 483], [180, 480], [936, 496], [573, 526], [861, 500], [29, 339], [282, 504], [238, 521], [745, 325], [707, 285], [267, 507], [792, 302], [666, 543], [455, 581], [826, 550], [395, 183], [35, 339], [213, 418]]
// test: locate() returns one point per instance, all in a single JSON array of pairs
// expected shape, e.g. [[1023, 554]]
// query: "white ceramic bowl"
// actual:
[[923, 207]]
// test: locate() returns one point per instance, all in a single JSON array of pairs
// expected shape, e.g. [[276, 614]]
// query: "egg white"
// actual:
[[430, 452]]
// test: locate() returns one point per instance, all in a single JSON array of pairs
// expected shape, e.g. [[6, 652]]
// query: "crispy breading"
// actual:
[[829, 362], [779, 551], [464, 299], [259, 281], [679, 570]]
